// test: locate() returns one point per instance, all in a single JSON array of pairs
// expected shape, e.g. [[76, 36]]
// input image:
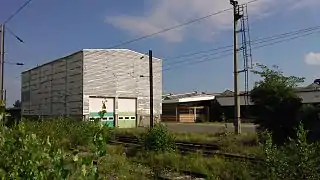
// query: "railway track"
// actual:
[[186, 147]]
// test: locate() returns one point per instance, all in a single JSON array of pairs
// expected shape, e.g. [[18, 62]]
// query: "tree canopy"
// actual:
[[276, 101], [17, 103]]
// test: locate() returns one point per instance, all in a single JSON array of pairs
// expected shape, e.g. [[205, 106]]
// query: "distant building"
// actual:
[[199, 107], [188, 107], [309, 95], [78, 84]]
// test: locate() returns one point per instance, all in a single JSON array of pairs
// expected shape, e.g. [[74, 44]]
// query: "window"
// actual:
[[110, 118], [126, 117], [133, 117], [120, 117]]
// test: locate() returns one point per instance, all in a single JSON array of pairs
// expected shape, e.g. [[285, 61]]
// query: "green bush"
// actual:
[[69, 133], [297, 159], [159, 139], [276, 102], [27, 155]]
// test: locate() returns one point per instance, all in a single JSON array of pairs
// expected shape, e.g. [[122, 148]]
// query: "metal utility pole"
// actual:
[[236, 17], [1, 60], [151, 88]]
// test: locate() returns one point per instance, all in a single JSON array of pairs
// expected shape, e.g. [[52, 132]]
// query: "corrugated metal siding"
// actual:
[[310, 97], [116, 73], [55, 88], [25, 93], [229, 100]]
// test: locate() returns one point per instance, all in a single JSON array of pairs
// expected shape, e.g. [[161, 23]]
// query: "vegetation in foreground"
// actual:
[[245, 143], [64, 149]]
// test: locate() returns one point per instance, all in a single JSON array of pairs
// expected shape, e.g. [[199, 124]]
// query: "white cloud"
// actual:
[[312, 58], [304, 4], [167, 13]]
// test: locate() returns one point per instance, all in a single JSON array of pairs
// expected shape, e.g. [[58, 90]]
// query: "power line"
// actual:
[[175, 27], [17, 12], [229, 52], [14, 35], [264, 39], [255, 42], [257, 47]]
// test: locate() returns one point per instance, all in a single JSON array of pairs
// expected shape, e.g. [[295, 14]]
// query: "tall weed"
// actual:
[[297, 159], [38, 154], [159, 139]]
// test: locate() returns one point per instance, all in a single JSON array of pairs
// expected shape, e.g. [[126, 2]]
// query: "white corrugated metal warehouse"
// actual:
[[77, 84]]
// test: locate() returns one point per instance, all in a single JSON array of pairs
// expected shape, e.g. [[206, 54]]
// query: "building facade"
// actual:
[[205, 107], [188, 107], [79, 84]]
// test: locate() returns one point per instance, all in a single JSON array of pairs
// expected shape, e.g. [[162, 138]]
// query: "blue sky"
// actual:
[[52, 29]]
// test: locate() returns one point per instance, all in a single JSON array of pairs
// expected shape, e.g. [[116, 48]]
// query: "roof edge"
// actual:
[[71, 54]]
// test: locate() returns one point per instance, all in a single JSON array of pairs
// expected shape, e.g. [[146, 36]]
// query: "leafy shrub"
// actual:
[[69, 133], [27, 155], [159, 139], [276, 103], [295, 160]]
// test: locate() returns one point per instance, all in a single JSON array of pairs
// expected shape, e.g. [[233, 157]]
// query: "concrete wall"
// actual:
[[54, 88], [116, 73]]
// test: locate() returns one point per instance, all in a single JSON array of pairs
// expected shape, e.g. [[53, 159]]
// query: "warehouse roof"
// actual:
[[310, 88], [82, 50], [187, 97]]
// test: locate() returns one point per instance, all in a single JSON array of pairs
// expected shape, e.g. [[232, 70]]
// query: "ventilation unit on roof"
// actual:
[[316, 81]]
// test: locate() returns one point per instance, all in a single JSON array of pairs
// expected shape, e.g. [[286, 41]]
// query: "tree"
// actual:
[[277, 103], [17, 103], [103, 110]]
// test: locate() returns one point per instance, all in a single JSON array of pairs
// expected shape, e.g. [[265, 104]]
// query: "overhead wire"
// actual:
[[181, 25], [254, 48], [257, 45], [17, 11], [175, 27], [253, 42], [264, 39]]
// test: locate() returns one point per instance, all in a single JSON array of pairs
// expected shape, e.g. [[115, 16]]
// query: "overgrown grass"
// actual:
[[213, 167], [246, 143], [63, 150]]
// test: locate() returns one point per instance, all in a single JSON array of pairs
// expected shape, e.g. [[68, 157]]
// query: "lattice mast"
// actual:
[[245, 47]]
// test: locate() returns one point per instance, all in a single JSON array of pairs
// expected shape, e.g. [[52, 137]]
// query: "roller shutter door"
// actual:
[[127, 113], [95, 106]]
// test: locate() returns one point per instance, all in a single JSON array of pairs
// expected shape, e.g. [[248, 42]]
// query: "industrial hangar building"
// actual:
[[78, 84]]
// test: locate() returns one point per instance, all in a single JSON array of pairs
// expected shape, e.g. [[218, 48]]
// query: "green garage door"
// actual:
[[95, 106], [126, 113]]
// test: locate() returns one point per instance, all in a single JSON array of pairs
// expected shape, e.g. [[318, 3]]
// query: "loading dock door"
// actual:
[[95, 106], [127, 113]]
